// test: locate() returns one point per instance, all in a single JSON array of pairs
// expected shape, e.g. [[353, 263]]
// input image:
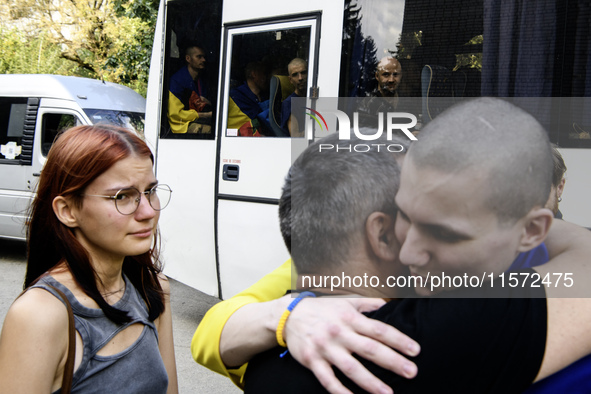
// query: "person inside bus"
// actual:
[[384, 98], [338, 330], [558, 181], [248, 109], [297, 70], [189, 109], [388, 75], [92, 236]]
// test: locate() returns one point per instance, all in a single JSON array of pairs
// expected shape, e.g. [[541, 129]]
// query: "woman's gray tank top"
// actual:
[[138, 369]]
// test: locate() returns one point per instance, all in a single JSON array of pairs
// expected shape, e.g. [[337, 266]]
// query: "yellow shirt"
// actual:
[[178, 117], [205, 345]]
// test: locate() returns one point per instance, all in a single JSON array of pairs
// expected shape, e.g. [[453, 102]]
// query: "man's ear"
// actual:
[[63, 209], [537, 225], [379, 230]]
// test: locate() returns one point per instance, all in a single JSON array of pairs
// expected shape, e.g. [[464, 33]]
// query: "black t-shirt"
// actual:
[[468, 345]]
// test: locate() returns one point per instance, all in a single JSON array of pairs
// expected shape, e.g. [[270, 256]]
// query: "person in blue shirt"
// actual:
[[293, 123], [248, 109], [189, 109]]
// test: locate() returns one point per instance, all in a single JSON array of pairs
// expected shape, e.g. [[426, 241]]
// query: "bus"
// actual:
[[220, 233]]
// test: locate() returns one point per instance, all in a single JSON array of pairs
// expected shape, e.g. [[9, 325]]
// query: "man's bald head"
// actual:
[[501, 143], [388, 75]]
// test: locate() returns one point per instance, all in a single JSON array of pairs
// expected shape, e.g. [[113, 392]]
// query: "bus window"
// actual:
[[191, 68], [469, 48], [267, 70]]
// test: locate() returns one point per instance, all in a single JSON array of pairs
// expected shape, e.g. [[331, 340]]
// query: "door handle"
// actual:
[[231, 172]]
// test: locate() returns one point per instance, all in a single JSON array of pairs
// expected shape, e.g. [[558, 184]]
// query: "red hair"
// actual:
[[76, 159]]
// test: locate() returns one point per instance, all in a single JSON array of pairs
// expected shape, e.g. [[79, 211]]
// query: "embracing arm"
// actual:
[[33, 344], [221, 341], [569, 319], [165, 338], [319, 332]]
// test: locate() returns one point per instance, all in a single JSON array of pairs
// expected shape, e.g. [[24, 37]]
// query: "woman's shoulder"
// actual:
[[164, 283], [37, 312]]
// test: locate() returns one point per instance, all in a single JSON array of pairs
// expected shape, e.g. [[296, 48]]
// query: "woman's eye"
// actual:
[[121, 196]]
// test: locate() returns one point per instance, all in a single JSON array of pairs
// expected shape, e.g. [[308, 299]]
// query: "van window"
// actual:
[[130, 120], [52, 125], [12, 119]]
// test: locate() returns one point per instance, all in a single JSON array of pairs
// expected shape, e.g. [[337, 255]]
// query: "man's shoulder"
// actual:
[[242, 95], [180, 80], [287, 102], [181, 74]]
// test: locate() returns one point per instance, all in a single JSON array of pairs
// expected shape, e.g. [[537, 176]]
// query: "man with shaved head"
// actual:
[[471, 198], [297, 71], [388, 74], [479, 177], [384, 98]]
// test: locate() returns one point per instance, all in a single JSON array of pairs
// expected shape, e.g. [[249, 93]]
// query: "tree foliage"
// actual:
[[104, 39], [20, 54]]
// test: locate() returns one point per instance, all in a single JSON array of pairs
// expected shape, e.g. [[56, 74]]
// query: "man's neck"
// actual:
[[194, 73], [254, 88], [388, 93]]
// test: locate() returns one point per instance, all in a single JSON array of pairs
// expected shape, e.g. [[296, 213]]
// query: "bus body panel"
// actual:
[[251, 243], [187, 224]]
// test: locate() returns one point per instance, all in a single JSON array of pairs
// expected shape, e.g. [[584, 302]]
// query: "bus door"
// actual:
[[185, 145], [255, 145]]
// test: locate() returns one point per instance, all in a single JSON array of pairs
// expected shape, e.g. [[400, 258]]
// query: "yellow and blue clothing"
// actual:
[[205, 345], [247, 113], [182, 87]]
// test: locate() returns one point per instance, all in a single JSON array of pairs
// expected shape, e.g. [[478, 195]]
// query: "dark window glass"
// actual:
[[192, 58], [130, 120], [53, 124], [12, 119], [261, 86], [471, 48]]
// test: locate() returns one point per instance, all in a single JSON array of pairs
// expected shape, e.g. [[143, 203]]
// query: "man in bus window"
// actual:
[[388, 74], [297, 71], [189, 109], [248, 108], [384, 98]]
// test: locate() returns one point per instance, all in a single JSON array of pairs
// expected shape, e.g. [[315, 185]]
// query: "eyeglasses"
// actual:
[[128, 200]]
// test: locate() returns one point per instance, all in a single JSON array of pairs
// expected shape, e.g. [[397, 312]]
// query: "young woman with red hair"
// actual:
[[92, 235]]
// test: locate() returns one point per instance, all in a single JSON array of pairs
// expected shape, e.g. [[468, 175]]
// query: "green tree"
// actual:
[[104, 39], [20, 54]]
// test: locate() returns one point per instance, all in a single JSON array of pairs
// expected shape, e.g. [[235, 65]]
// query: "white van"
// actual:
[[33, 109]]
